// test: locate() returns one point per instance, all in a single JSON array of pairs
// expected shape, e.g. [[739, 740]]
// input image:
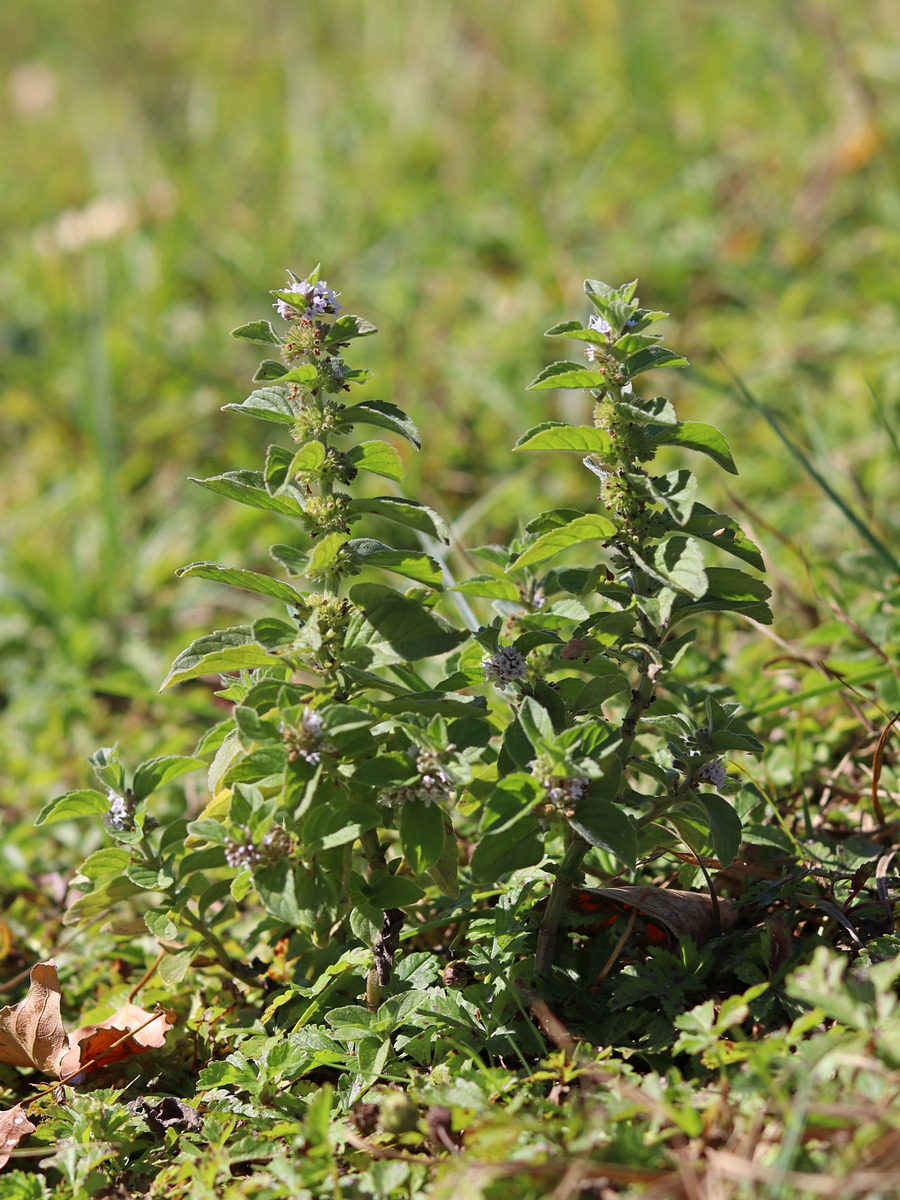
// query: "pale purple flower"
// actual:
[[713, 772], [120, 811], [318, 298], [600, 325], [504, 667]]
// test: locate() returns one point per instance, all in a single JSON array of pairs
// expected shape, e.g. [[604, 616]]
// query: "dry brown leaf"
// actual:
[[96, 1046], [14, 1125], [31, 1032], [674, 912]]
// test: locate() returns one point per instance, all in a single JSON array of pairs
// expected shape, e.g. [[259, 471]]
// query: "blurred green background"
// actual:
[[458, 169]]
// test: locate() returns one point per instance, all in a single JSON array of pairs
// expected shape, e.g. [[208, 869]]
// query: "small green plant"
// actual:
[[570, 777]]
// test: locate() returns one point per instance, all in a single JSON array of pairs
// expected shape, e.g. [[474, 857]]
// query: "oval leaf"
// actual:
[[225, 650], [567, 375], [381, 458], [557, 435], [590, 527], [84, 802]]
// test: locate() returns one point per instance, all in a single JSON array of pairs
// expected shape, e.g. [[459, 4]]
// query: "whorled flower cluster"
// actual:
[[304, 740], [504, 667], [713, 772], [121, 810], [245, 854], [434, 785], [318, 298]]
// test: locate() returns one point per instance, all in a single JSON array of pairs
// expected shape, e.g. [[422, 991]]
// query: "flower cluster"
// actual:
[[247, 854], [318, 298], [713, 772], [304, 740], [434, 785], [503, 667], [121, 810]]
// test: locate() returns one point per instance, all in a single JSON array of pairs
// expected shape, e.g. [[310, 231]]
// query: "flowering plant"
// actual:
[[355, 742]]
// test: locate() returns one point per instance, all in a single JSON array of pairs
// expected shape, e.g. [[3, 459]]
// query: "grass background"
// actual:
[[458, 169]]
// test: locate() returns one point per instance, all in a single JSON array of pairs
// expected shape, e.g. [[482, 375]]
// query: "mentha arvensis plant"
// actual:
[[605, 748]]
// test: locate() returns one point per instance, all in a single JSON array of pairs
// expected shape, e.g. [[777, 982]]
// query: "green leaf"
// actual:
[[257, 331], [156, 772], [678, 562], [386, 416], [598, 690], [173, 967], [576, 331], [111, 860], [725, 829], [489, 587], [536, 723], [160, 924], [421, 835], [346, 328], [657, 411], [411, 630], [723, 532], [649, 359], [249, 487], [249, 581], [275, 472], [325, 553], [510, 836], [403, 512], [269, 368], [729, 590], [366, 552], [605, 825], [294, 561], [266, 404], [567, 375], [225, 650], [151, 879], [675, 491], [590, 527], [306, 373], [558, 435], [84, 802], [392, 891], [696, 435], [381, 458], [309, 457]]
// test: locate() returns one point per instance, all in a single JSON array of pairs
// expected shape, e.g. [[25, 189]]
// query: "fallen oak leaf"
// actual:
[[14, 1125], [32, 1032], [669, 914], [130, 1030]]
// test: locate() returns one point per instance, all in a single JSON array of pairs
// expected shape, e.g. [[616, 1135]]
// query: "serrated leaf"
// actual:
[[225, 650], [381, 458], [249, 487], [590, 527], [386, 416], [248, 581], [697, 435], [84, 802], [275, 471], [576, 331], [410, 563], [160, 925], [266, 404], [557, 435], [403, 512], [111, 860], [649, 359], [725, 533], [156, 772], [257, 331], [567, 375]]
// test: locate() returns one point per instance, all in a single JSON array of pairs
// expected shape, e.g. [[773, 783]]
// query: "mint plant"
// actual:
[[568, 778], [338, 746]]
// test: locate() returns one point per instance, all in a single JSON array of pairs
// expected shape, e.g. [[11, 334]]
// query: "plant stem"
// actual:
[[231, 965]]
